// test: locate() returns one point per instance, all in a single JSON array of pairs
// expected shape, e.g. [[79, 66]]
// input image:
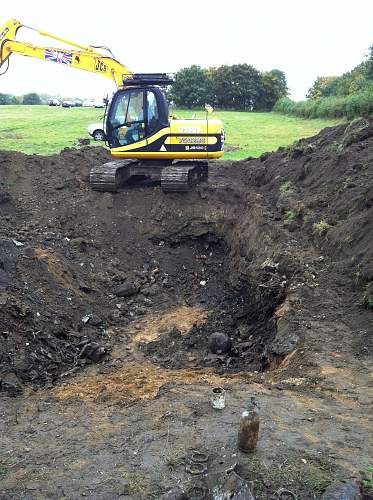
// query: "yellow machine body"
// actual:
[[183, 139]]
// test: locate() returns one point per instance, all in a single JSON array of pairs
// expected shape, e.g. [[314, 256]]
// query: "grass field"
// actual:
[[47, 130]]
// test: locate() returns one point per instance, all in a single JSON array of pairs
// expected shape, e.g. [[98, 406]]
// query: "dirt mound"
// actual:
[[324, 185], [249, 249]]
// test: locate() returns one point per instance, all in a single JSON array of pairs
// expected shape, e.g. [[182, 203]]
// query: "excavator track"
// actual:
[[178, 177], [182, 176], [110, 176]]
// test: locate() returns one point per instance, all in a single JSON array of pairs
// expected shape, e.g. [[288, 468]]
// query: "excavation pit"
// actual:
[[290, 238], [244, 315]]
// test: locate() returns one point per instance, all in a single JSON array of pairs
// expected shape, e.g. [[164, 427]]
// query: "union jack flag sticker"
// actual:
[[58, 56]]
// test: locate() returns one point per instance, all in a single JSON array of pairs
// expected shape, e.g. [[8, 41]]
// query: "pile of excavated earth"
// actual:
[[121, 311]]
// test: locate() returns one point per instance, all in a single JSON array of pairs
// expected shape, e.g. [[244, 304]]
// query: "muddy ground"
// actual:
[[108, 302]]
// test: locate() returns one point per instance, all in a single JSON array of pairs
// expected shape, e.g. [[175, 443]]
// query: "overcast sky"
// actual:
[[303, 38]]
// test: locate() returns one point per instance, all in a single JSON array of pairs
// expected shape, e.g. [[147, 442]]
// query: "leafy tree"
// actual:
[[359, 79], [4, 99], [323, 86], [369, 64], [236, 87], [190, 87], [31, 98], [7, 99], [239, 86], [274, 87], [349, 83]]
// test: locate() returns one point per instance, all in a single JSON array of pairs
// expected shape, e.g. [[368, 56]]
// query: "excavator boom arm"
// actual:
[[85, 57]]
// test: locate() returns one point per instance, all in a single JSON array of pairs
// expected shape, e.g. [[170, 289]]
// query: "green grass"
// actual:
[[257, 133], [368, 479], [47, 130], [44, 129]]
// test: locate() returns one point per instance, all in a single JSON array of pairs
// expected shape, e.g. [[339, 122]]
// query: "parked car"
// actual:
[[54, 102], [88, 103], [97, 131], [99, 104], [78, 103], [67, 104]]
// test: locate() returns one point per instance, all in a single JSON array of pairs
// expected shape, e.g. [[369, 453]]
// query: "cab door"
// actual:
[[126, 126], [157, 120]]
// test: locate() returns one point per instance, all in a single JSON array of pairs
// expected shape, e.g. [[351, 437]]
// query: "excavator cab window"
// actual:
[[127, 120], [152, 115], [135, 114]]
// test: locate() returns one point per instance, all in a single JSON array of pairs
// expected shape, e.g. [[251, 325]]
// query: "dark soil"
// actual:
[[275, 252], [76, 248]]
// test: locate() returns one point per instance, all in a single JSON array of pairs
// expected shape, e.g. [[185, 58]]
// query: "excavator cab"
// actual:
[[135, 116]]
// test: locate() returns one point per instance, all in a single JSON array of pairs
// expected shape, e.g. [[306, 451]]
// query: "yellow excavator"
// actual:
[[143, 138]]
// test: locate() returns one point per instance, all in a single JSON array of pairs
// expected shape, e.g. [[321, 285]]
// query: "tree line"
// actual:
[[238, 87], [359, 79], [31, 98], [349, 95]]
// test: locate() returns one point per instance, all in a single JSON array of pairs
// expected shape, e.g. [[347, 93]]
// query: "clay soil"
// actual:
[[275, 252]]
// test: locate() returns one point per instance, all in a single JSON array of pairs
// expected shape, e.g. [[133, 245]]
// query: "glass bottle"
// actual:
[[249, 427]]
